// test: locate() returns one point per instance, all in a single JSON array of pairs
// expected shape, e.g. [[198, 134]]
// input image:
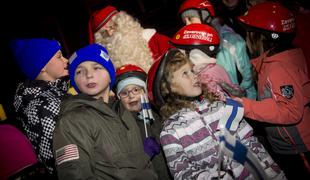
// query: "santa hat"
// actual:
[[93, 52], [128, 81], [31, 55], [98, 19]]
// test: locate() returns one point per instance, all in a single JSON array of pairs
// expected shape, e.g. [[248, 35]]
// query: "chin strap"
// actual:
[[186, 98]]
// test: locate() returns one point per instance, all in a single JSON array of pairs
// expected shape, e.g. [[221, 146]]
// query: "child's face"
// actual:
[[92, 78], [185, 82], [130, 96], [57, 66]]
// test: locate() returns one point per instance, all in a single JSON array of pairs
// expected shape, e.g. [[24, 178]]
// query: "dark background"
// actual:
[[66, 21]]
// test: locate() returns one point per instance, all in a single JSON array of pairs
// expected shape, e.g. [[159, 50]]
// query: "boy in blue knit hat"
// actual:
[[91, 140], [37, 99]]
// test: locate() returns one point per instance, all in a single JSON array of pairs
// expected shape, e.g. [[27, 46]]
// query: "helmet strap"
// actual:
[[185, 98], [205, 17]]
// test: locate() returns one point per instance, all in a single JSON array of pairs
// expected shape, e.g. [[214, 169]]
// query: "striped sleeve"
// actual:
[[178, 162], [245, 133]]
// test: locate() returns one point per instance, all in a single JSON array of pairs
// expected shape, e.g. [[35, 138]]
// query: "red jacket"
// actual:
[[283, 92]]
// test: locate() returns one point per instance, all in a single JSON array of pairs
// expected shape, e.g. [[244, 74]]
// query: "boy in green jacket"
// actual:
[[91, 141]]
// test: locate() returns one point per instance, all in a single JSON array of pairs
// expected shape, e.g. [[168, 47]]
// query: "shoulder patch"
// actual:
[[287, 91], [67, 153]]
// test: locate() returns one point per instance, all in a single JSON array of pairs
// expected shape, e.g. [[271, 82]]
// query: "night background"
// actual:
[[67, 22]]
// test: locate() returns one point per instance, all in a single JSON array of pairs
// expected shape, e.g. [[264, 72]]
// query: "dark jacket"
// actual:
[[92, 142], [37, 105], [154, 128]]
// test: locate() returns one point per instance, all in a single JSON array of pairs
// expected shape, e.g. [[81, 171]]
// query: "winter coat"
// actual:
[[234, 58], [91, 141], [37, 104], [190, 140], [154, 128], [284, 96]]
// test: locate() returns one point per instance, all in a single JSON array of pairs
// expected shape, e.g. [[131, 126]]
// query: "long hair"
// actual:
[[174, 101], [256, 43], [126, 45], [259, 43]]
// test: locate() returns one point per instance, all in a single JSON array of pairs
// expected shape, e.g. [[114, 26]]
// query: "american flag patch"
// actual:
[[67, 153]]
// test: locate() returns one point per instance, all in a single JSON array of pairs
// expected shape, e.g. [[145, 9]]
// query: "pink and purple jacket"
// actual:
[[190, 140]]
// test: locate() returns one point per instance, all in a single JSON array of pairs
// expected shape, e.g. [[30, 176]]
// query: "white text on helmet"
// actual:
[[288, 24], [198, 35]]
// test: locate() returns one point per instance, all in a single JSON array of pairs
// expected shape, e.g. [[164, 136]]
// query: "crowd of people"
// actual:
[[149, 106]]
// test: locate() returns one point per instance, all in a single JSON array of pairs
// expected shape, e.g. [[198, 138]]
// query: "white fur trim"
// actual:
[[148, 33]]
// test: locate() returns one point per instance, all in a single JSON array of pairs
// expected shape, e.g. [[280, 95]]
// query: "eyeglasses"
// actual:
[[134, 91]]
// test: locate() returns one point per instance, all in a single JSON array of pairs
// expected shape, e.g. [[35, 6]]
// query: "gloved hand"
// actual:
[[151, 147], [233, 90]]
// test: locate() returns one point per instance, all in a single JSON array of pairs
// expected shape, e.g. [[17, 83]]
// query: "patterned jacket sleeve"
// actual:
[[245, 133], [39, 124], [177, 160]]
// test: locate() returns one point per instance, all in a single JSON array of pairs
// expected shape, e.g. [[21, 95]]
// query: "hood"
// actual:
[[83, 100], [289, 58]]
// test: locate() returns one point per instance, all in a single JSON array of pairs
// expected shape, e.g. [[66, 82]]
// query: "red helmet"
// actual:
[[154, 77], [129, 70], [269, 16], [197, 4], [197, 36]]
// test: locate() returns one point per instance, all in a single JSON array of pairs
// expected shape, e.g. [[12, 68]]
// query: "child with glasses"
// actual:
[[130, 87]]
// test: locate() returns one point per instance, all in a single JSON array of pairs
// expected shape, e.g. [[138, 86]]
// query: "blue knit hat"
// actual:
[[31, 55], [93, 52]]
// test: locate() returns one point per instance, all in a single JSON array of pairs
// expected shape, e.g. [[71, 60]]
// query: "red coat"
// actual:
[[284, 92]]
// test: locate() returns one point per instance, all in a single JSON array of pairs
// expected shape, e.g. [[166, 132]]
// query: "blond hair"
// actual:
[[126, 45], [173, 102]]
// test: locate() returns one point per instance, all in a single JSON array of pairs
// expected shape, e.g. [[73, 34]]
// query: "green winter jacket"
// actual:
[[92, 142], [159, 161]]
